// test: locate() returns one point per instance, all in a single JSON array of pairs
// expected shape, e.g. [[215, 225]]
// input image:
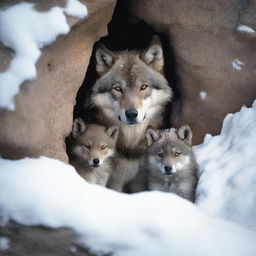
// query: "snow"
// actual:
[[73, 249], [25, 31], [246, 29], [203, 95], [75, 8], [48, 192], [228, 170], [4, 243], [237, 64]]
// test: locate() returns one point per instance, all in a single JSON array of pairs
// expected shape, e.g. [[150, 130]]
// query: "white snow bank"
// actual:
[[246, 29], [228, 170], [4, 243], [237, 64], [25, 31], [48, 192]]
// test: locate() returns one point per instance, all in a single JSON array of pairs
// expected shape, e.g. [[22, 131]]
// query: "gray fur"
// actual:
[[182, 182]]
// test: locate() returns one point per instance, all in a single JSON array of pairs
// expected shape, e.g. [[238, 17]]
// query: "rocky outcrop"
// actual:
[[214, 55], [44, 107], [39, 241]]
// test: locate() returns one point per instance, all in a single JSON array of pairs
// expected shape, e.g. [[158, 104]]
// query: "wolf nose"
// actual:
[[96, 161], [168, 169], [131, 113]]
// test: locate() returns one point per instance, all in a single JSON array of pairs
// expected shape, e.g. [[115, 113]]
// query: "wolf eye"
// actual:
[[177, 153], [87, 146], [160, 155], [103, 147], [143, 87], [117, 88]]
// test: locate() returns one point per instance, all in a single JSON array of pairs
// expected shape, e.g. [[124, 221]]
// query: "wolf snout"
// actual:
[[168, 170], [131, 114], [96, 162]]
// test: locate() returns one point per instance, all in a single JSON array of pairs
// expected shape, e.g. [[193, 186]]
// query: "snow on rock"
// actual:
[[4, 243], [246, 29], [237, 64], [48, 192], [203, 95], [228, 170], [25, 31], [75, 8]]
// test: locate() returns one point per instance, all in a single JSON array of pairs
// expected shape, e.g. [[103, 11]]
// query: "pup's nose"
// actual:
[[168, 170], [131, 113], [96, 161]]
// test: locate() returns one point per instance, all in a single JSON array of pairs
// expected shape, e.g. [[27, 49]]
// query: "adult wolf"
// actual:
[[131, 93]]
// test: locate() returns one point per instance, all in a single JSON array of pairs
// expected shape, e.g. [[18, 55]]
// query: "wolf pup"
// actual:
[[131, 93], [171, 162], [92, 151]]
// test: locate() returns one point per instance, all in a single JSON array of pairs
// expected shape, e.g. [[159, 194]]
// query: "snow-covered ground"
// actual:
[[25, 31], [228, 170], [48, 192]]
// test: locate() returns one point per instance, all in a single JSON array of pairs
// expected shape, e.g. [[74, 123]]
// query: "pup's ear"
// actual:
[[113, 132], [78, 128], [152, 136], [153, 56], [185, 133], [105, 59]]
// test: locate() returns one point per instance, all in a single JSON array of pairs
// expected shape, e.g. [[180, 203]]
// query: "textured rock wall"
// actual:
[[44, 107], [206, 42]]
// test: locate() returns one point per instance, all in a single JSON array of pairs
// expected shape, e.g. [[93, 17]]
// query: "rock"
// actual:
[[215, 62], [44, 107], [40, 241]]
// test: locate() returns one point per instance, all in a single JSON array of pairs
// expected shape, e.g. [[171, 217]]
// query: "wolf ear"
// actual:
[[104, 59], [185, 134], [113, 132], [78, 128], [153, 56], [152, 136]]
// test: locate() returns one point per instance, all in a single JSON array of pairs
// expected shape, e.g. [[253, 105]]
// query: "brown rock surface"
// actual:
[[205, 40], [40, 241], [44, 107]]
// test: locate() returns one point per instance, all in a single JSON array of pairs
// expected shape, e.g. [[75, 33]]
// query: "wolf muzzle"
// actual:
[[131, 115], [167, 170]]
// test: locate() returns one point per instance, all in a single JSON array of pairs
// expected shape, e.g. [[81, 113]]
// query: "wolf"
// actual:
[[131, 93], [170, 162], [92, 151]]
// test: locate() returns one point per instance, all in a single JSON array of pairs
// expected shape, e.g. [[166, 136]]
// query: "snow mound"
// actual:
[[48, 192], [25, 31], [228, 170]]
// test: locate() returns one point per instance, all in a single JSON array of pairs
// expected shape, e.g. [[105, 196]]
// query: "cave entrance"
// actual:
[[126, 33]]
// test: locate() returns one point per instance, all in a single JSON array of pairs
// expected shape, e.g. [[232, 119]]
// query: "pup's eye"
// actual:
[[177, 153], [160, 155], [117, 88], [103, 147], [87, 146], [143, 87]]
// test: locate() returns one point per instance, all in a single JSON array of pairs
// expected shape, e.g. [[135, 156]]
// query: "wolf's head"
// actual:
[[131, 86], [170, 150], [93, 143]]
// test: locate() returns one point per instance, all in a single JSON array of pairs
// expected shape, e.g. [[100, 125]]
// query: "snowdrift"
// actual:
[[228, 170]]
